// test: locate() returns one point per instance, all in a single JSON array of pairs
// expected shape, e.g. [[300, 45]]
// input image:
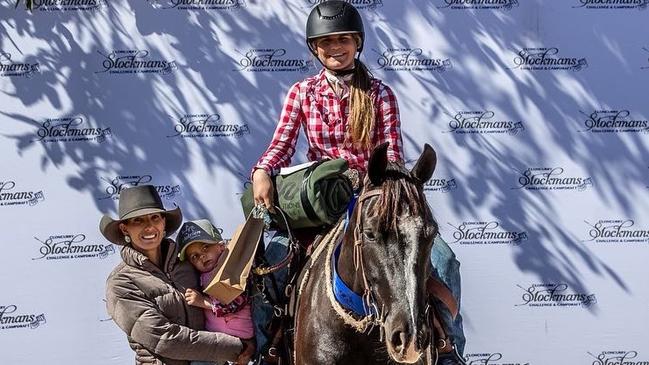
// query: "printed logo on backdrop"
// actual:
[[12, 318], [478, 4], [67, 5], [11, 68], [115, 186], [409, 59], [612, 4], [358, 4], [70, 130], [546, 59], [628, 357], [12, 195], [554, 295], [198, 4], [490, 358], [552, 178], [616, 231], [273, 60], [485, 233], [482, 122], [441, 185], [71, 247], [134, 61], [436, 185], [207, 125], [613, 121]]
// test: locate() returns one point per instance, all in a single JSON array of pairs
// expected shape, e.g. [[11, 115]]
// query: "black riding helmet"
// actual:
[[333, 17]]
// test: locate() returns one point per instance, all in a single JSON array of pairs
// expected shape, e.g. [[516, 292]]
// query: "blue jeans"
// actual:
[[445, 267], [262, 310]]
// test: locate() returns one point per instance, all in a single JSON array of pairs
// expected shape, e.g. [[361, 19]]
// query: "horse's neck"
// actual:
[[346, 269]]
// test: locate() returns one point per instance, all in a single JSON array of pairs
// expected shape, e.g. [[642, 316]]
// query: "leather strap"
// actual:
[[441, 292], [292, 248], [314, 250], [368, 296], [443, 344]]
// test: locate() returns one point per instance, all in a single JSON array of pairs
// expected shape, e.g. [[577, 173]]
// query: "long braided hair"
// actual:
[[361, 106]]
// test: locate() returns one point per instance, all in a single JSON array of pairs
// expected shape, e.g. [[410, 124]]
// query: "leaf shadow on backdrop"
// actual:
[[138, 107], [549, 103], [141, 108]]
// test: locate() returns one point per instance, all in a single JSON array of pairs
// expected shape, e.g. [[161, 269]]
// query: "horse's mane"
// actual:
[[401, 191]]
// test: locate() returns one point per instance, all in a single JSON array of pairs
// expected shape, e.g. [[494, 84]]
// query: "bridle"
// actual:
[[370, 316], [369, 299], [360, 311]]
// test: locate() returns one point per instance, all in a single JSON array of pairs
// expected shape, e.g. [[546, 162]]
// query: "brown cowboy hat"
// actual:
[[134, 202]]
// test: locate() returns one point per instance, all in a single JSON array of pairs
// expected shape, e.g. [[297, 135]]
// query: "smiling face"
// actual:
[[204, 256], [146, 232], [337, 51]]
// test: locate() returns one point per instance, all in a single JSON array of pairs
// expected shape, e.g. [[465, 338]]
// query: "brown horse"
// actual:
[[382, 262]]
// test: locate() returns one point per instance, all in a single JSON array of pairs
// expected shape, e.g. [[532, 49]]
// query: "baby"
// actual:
[[201, 244]]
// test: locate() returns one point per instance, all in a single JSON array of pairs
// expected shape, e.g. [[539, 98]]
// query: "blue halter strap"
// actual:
[[345, 296]]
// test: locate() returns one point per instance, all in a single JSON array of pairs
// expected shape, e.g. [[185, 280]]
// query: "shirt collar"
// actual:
[[324, 78], [335, 78], [323, 87]]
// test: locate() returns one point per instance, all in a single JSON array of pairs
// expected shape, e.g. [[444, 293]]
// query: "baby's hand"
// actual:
[[192, 297]]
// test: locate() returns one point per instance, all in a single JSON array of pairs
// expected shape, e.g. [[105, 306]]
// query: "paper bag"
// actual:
[[235, 263]]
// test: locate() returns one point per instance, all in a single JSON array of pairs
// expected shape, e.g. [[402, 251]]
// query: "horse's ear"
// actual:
[[425, 165], [378, 163]]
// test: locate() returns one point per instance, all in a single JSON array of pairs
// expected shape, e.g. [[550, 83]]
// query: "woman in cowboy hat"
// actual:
[[145, 292]]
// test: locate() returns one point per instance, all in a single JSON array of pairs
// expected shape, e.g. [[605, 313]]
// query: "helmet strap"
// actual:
[[342, 72], [339, 72]]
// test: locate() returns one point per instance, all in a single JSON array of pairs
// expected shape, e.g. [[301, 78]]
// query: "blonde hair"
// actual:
[[361, 106]]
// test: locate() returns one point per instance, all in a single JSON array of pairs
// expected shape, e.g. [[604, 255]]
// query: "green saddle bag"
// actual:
[[315, 195]]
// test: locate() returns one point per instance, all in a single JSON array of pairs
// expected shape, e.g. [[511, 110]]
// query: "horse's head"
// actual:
[[396, 229]]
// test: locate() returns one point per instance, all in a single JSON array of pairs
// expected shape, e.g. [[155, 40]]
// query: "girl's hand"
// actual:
[[262, 189], [193, 297]]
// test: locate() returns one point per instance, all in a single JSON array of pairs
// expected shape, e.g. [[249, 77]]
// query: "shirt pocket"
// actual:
[[318, 110]]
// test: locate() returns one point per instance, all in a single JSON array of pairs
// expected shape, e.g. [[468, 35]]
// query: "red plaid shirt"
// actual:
[[313, 105]]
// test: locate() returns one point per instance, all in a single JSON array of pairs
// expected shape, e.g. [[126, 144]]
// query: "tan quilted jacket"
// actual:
[[148, 304]]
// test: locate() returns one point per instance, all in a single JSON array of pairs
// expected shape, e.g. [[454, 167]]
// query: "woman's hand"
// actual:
[[262, 189], [247, 353], [193, 297]]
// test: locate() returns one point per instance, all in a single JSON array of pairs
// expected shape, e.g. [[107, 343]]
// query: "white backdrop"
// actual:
[[538, 111]]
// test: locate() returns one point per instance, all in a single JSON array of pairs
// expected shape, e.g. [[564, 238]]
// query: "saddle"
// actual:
[[304, 247]]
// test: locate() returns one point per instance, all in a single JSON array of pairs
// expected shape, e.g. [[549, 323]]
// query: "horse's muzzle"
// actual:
[[406, 346]]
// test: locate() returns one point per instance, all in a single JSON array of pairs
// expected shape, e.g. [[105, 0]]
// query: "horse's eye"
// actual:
[[369, 235]]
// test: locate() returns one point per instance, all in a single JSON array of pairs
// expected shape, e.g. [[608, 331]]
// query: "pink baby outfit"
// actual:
[[219, 319]]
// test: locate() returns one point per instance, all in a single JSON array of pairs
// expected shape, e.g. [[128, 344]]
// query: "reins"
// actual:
[[259, 212], [369, 302], [363, 321]]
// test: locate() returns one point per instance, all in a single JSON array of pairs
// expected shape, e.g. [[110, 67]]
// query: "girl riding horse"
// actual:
[[345, 113]]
